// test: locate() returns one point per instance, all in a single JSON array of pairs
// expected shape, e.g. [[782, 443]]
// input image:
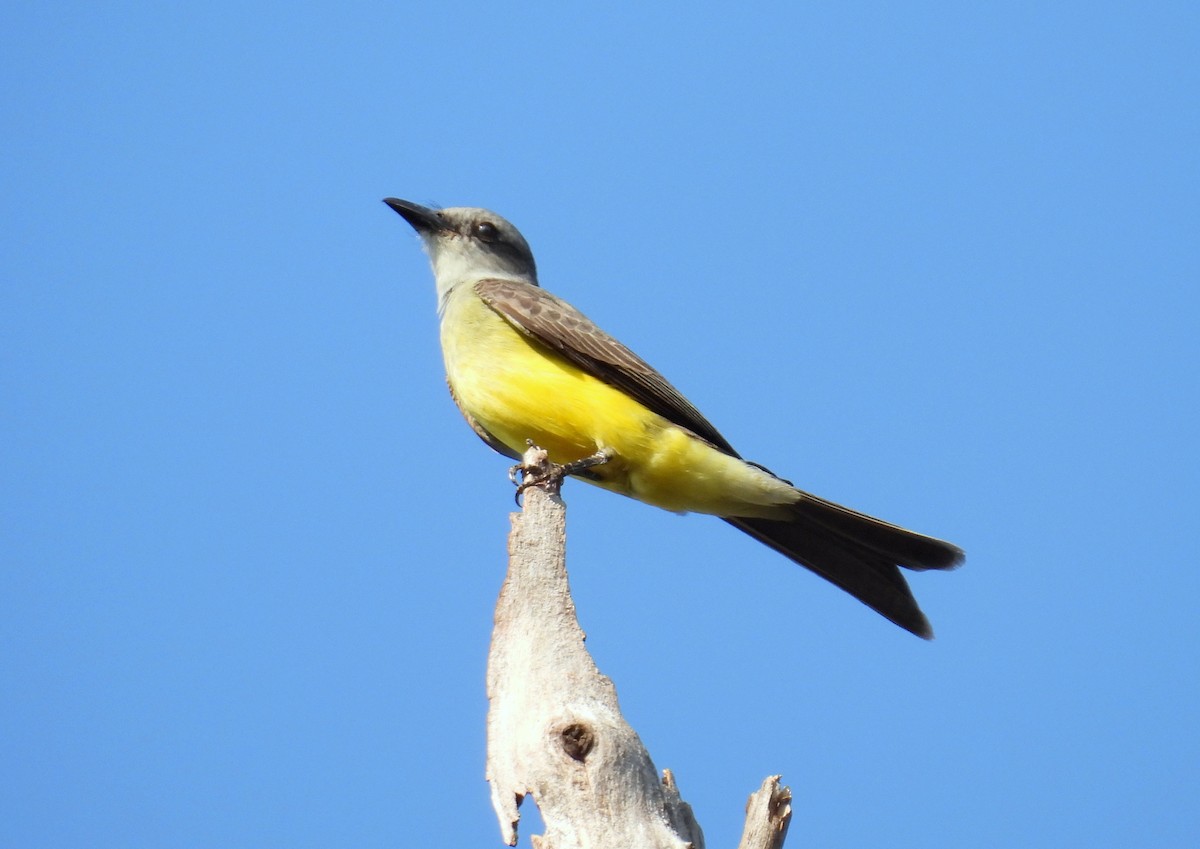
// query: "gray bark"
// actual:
[[555, 730]]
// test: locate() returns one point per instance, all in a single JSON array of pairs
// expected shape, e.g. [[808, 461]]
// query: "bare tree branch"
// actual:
[[555, 730], [768, 812]]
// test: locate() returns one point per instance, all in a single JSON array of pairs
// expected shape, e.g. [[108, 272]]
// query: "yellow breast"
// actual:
[[517, 389]]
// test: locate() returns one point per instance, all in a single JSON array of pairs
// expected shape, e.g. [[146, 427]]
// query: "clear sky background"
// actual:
[[937, 261]]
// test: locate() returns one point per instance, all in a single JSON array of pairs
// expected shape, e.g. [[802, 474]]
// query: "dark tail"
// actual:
[[858, 553]]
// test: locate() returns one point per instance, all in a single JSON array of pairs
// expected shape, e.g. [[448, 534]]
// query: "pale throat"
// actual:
[[455, 265]]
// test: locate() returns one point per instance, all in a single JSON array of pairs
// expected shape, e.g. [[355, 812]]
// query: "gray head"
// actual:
[[465, 243]]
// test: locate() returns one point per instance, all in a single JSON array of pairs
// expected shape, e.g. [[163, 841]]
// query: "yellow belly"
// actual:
[[517, 390]]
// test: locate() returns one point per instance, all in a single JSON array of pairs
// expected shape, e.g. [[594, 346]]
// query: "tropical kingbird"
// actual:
[[526, 366]]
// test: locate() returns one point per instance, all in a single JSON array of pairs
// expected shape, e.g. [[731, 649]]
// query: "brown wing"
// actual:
[[559, 326]]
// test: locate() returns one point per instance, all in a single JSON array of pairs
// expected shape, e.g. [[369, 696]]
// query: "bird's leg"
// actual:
[[536, 469], [583, 463]]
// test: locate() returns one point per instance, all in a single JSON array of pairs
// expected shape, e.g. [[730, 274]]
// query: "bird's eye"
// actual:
[[485, 231]]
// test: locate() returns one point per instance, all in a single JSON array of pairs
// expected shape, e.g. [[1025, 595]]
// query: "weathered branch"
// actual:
[[555, 729], [768, 812]]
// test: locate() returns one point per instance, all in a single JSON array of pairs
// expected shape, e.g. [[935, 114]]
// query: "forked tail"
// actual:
[[858, 553]]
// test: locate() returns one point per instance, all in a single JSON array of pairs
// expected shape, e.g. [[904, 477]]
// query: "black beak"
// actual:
[[422, 219]]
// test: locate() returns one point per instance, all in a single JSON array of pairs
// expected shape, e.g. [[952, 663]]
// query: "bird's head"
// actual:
[[468, 244]]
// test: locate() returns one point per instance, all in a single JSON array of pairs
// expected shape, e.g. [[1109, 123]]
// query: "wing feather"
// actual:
[[556, 324]]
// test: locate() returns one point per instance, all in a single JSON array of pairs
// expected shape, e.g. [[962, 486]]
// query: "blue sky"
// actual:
[[937, 261]]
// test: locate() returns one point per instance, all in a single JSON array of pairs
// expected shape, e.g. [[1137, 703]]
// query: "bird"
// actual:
[[525, 367]]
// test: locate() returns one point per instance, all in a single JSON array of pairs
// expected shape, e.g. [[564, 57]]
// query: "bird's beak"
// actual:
[[424, 220]]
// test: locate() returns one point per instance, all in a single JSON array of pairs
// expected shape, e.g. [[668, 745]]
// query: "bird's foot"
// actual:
[[585, 463], [536, 469]]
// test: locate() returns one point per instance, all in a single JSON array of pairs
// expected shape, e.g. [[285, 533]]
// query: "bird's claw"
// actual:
[[530, 478], [548, 473]]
